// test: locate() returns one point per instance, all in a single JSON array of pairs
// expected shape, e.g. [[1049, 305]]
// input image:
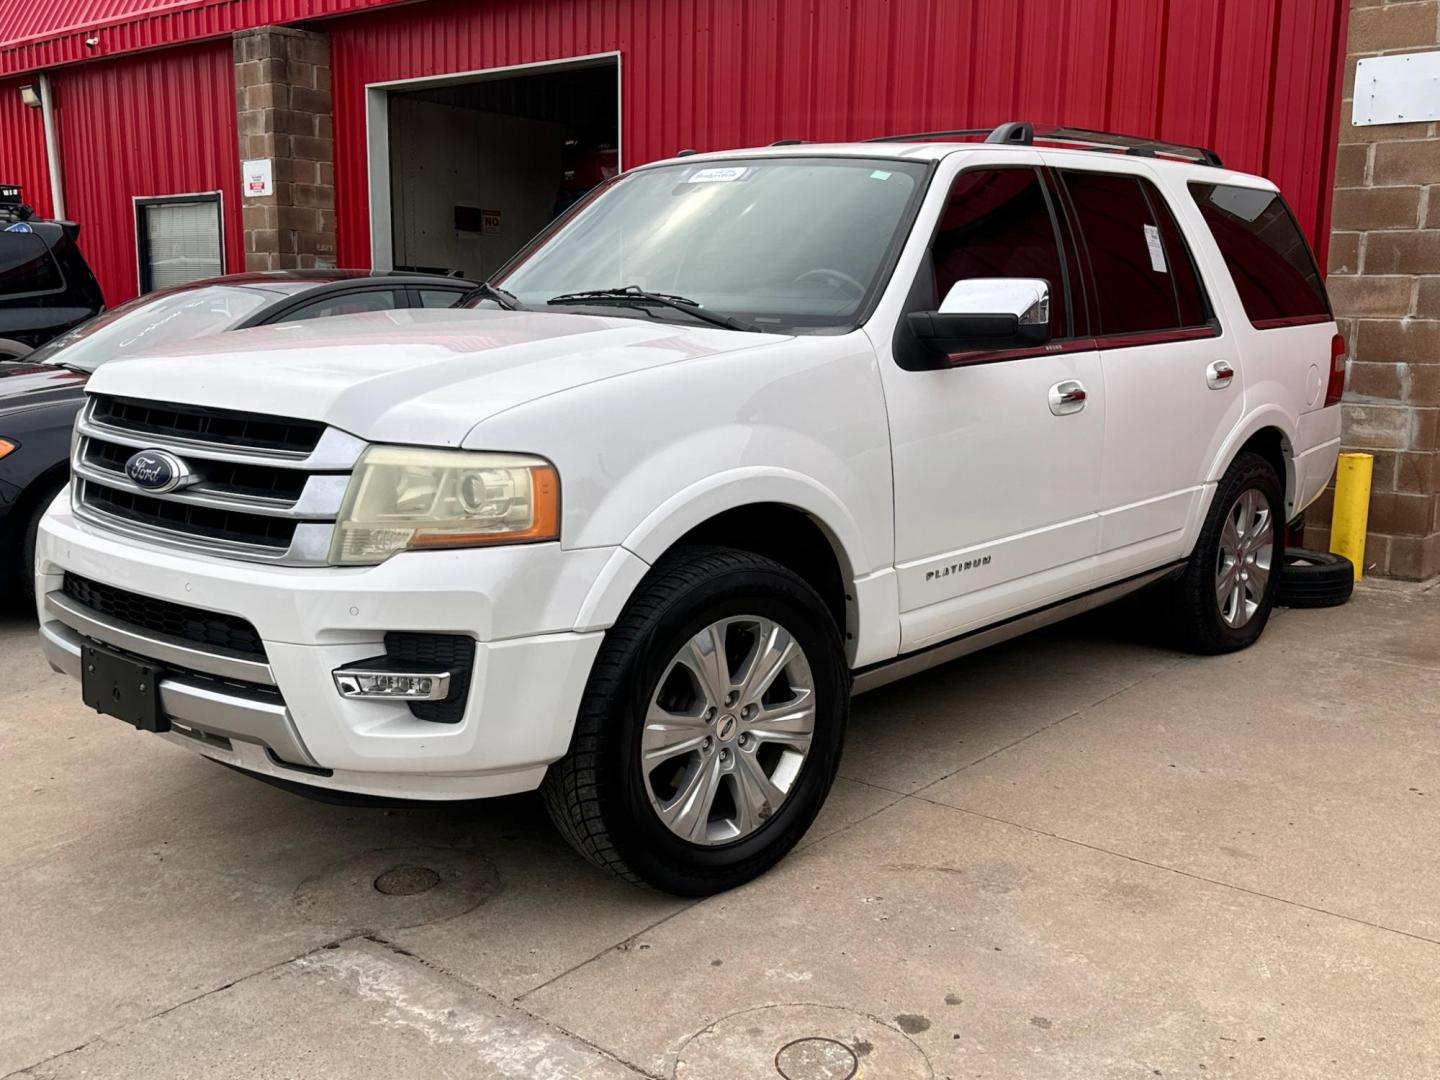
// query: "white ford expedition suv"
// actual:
[[742, 435]]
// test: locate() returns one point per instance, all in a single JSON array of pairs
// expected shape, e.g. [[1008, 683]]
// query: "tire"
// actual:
[[609, 807], [1206, 621], [1315, 579], [23, 572]]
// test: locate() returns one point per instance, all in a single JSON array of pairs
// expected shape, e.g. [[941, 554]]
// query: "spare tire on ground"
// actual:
[[1313, 579]]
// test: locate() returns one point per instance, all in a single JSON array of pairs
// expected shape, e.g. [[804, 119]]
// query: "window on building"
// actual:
[[179, 239], [26, 266], [1145, 278], [997, 223], [1269, 260]]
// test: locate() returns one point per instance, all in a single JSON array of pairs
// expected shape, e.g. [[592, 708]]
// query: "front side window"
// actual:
[[26, 266], [792, 244], [1269, 260], [439, 298], [354, 303], [179, 240], [997, 224], [1145, 279]]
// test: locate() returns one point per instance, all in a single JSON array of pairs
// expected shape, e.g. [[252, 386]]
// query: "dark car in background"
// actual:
[[46, 286], [40, 394]]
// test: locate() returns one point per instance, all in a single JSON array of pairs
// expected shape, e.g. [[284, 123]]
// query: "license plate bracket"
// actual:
[[116, 685]]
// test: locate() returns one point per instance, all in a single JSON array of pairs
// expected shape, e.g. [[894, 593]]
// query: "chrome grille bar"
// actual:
[[226, 517]]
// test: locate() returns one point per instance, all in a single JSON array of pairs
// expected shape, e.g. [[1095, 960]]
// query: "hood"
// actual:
[[24, 387], [413, 376]]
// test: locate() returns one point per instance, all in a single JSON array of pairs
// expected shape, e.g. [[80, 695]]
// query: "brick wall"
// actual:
[[282, 96], [1384, 279]]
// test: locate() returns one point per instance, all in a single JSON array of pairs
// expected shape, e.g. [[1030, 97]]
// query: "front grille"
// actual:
[[208, 629], [203, 424], [221, 477], [258, 487], [202, 521], [435, 652]]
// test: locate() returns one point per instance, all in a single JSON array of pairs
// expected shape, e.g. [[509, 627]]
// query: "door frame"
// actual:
[[377, 132]]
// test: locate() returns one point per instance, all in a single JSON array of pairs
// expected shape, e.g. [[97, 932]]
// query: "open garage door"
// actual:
[[477, 164]]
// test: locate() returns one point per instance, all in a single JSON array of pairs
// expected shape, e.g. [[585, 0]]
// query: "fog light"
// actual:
[[392, 685]]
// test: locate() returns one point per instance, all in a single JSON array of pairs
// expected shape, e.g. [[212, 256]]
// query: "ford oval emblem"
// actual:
[[157, 471]]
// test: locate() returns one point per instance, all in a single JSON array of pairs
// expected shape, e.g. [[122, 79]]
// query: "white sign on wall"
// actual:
[[1397, 89], [258, 178]]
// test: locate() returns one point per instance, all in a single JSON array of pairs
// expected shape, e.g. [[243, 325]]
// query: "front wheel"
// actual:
[[711, 728], [1224, 598]]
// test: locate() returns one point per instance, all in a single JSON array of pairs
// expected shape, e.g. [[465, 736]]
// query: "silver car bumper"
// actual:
[[211, 713]]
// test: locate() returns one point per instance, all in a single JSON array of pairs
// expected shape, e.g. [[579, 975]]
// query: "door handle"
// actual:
[[1067, 397], [1219, 375]]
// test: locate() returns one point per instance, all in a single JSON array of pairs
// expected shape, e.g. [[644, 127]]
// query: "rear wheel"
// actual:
[[711, 728], [1224, 599]]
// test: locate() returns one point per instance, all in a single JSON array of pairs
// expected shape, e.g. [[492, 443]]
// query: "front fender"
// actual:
[[873, 594]]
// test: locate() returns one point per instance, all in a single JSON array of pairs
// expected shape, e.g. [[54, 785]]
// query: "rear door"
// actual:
[[1172, 385]]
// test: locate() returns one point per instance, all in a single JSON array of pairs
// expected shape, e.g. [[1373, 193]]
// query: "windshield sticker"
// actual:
[[718, 175], [880, 174], [1157, 253]]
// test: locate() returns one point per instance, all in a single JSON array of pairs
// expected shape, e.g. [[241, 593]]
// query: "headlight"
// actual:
[[403, 498]]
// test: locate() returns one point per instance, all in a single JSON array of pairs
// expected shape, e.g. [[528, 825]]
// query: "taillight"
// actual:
[[1336, 387]]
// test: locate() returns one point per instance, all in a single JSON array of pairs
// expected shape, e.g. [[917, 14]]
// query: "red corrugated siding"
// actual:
[[48, 33], [161, 123], [22, 146], [1255, 79]]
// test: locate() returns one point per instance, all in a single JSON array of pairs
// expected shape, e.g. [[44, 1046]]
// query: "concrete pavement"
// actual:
[[1078, 855]]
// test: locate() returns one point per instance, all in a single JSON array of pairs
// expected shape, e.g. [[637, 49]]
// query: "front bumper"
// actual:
[[282, 716]]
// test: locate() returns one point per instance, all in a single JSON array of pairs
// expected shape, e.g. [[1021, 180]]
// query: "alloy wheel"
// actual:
[[1242, 566], [728, 730]]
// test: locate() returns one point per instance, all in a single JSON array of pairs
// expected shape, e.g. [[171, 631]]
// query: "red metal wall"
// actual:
[[22, 146], [159, 123], [1255, 79]]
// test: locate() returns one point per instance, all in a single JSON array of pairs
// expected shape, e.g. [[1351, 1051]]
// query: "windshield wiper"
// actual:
[[634, 296], [76, 368], [507, 300]]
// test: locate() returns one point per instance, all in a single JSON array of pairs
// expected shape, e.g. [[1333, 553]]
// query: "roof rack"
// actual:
[[1022, 133]]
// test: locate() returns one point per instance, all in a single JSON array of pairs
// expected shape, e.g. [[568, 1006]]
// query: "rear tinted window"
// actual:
[[1145, 280], [1269, 260], [26, 265]]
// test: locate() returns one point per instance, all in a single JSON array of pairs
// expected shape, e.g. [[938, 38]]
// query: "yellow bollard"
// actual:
[[1352, 509]]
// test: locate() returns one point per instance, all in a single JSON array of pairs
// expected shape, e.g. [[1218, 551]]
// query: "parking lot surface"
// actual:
[[1078, 855]]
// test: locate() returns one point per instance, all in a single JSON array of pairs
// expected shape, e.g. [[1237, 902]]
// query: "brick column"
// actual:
[[282, 96], [1384, 279]]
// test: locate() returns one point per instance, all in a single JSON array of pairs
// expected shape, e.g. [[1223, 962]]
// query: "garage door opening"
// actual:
[[465, 169]]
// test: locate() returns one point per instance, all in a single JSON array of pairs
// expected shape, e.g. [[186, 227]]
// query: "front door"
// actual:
[[995, 489]]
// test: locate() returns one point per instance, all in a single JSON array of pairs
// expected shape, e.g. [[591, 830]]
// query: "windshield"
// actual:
[[149, 322], [780, 243]]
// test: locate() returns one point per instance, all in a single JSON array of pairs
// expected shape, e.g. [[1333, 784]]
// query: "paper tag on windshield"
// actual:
[[718, 175], [1157, 253]]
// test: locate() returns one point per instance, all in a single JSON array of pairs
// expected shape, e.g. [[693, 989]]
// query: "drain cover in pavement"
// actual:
[[393, 889], [801, 1042], [816, 1059], [407, 881]]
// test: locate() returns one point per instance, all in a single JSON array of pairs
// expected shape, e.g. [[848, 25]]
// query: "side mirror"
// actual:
[[986, 313]]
